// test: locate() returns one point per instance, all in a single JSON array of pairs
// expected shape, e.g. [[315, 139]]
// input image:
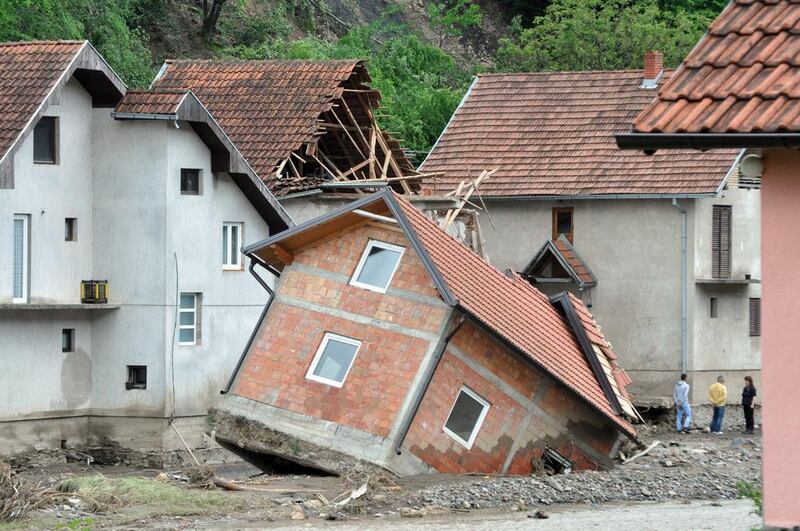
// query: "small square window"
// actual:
[[70, 229], [465, 419], [68, 340], [190, 181], [231, 243], [45, 136], [377, 266], [189, 319], [137, 377], [333, 360], [713, 307]]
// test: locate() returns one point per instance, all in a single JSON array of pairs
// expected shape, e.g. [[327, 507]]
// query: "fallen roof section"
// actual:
[[301, 121], [31, 73], [551, 135], [182, 105], [563, 253], [506, 305], [740, 86]]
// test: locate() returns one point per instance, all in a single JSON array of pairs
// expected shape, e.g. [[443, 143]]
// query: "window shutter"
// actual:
[[755, 317], [721, 242]]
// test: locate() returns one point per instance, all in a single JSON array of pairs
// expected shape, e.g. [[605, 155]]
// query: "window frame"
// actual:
[[70, 229], [68, 333], [54, 138], [226, 231], [555, 233], [754, 316], [199, 181], [321, 350], [363, 260], [713, 307], [129, 382], [475, 429], [197, 297], [721, 241], [26, 242]]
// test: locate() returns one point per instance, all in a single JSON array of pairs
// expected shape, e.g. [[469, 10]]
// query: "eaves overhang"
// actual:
[[650, 142]]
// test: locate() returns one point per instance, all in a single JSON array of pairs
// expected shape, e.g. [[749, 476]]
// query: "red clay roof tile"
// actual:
[[552, 134], [742, 77], [28, 71], [151, 101]]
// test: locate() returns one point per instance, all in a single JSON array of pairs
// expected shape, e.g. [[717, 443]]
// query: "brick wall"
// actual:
[[528, 411], [388, 359]]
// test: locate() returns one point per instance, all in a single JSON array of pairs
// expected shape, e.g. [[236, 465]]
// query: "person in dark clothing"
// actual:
[[748, 403]]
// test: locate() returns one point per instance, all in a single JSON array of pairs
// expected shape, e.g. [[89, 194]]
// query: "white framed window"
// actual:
[[21, 258], [377, 266], [333, 359], [231, 243], [466, 416], [189, 319]]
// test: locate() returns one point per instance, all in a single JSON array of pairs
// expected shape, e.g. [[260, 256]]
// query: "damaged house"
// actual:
[[665, 247], [389, 342]]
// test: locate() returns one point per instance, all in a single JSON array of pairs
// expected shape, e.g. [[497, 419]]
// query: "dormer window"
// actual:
[[45, 136], [377, 266]]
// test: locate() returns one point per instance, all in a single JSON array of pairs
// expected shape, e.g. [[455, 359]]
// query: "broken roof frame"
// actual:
[[551, 248], [387, 197]]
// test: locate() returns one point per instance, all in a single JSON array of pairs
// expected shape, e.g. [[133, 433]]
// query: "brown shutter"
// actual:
[[755, 317], [721, 242]]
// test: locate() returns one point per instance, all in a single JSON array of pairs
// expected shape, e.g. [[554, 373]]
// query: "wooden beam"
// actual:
[[353, 140], [356, 168], [283, 255], [355, 122], [372, 153], [329, 162]]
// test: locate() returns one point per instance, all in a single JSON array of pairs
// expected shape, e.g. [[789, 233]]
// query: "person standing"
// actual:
[[681, 397], [718, 395], [749, 403]]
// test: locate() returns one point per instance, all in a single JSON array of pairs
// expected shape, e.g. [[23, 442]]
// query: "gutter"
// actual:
[[426, 382], [253, 262], [684, 287], [143, 116], [650, 142]]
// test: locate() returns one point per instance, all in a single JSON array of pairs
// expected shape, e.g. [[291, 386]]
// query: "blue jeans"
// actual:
[[716, 422], [684, 413]]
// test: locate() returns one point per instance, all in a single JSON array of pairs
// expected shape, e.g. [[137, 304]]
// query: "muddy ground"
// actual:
[[700, 468]]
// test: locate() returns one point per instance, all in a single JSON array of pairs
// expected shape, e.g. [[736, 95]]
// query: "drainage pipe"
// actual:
[[266, 287], [684, 287]]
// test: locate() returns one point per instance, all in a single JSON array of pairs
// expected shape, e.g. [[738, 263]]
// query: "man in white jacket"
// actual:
[[681, 397]]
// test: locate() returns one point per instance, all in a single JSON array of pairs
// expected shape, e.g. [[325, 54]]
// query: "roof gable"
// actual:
[[506, 305], [30, 73], [742, 78], [560, 252], [551, 134]]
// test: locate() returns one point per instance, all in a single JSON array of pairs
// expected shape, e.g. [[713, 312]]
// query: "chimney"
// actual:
[[653, 67]]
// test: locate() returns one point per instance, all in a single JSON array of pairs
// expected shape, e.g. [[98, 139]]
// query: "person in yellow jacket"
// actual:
[[718, 395]]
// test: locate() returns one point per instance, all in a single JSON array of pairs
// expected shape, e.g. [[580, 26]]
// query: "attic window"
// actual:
[[377, 266], [562, 223], [190, 181], [466, 417], [333, 359], [45, 136]]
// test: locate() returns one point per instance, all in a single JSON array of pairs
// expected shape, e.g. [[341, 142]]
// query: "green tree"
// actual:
[[600, 35], [451, 17]]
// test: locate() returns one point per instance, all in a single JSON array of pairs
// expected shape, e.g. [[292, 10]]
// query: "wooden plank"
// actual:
[[285, 256], [353, 140], [372, 153]]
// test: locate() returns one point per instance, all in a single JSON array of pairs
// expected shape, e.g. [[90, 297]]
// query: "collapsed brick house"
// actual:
[[389, 342]]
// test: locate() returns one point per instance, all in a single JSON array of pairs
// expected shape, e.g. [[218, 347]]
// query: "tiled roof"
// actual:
[[565, 253], [28, 71], [514, 310], [268, 108], [552, 134], [742, 77], [151, 101]]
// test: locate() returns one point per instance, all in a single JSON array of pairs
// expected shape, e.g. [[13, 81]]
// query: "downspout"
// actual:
[[684, 287], [253, 263], [426, 382]]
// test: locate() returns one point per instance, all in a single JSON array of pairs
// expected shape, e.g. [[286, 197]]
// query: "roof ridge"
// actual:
[[639, 72], [264, 61], [34, 42]]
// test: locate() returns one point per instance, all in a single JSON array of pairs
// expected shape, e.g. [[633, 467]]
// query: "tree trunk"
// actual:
[[210, 16]]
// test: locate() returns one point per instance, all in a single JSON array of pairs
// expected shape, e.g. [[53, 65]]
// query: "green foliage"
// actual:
[[748, 490], [600, 35], [451, 17], [79, 524]]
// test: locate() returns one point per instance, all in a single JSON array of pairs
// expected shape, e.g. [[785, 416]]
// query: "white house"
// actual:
[[143, 190]]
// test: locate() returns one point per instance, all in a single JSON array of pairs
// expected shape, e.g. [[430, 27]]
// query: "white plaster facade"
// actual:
[[121, 180]]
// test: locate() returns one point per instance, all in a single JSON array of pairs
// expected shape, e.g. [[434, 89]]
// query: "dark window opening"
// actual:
[[555, 463], [190, 181], [755, 317], [721, 242], [68, 340], [70, 229], [137, 377], [714, 309], [562, 223], [44, 140]]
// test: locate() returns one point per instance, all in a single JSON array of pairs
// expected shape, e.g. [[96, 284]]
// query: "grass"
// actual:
[[748, 490]]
